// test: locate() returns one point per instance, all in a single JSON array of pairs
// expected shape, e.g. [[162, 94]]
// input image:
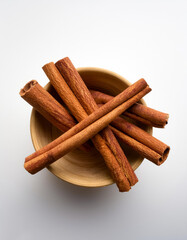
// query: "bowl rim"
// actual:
[[32, 121]]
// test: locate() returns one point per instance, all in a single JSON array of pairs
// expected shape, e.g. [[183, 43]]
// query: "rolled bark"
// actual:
[[36, 164], [138, 112], [140, 148], [82, 93], [79, 113], [51, 109], [139, 140], [143, 137], [47, 105]]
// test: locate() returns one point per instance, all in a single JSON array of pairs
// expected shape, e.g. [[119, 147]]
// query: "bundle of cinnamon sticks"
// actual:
[[94, 111]]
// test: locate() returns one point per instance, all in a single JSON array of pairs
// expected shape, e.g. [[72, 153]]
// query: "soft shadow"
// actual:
[[81, 195]]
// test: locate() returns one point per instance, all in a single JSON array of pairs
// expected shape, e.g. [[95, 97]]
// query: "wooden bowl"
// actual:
[[78, 167]]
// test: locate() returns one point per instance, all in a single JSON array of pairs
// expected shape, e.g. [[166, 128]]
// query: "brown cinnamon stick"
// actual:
[[138, 112], [140, 119], [77, 110], [44, 103], [159, 119], [140, 148], [36, 164], [148, 142], [143, 137], [106, 108], [82, 93], [51, 109]]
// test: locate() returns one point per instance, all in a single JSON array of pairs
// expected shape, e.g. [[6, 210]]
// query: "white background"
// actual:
[[132, 38]]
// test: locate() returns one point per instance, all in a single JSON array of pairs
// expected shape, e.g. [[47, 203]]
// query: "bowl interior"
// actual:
[[78, 167]]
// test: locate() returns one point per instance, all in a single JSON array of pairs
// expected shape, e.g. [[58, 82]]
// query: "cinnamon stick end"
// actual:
[[135, 180], [164, 156], [62, 60], [124, 189], [27, 87], [167, 118], [26, 166], [165, 121], [47, 65]]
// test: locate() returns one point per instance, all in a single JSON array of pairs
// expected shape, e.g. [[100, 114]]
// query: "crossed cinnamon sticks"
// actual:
[[138, 112], [78, 99]]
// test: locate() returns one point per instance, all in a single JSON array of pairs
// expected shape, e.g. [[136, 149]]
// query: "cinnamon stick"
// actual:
[[104, 109], [79, 113], [138, 112], [140, 148], [44, 103], [50, 108], [143, 137], [36, 164], [140, 119], [159, 119], [82, 93], [148, 142]]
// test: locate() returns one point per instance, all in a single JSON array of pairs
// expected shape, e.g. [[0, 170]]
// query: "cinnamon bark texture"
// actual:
[[36, 164], [150, 147], [140, 119], [45, 104], [159, 119], [106, 108], [79, 113], [51, 109], [138, 112], [143, 137], [140, 148], [82, 93]]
